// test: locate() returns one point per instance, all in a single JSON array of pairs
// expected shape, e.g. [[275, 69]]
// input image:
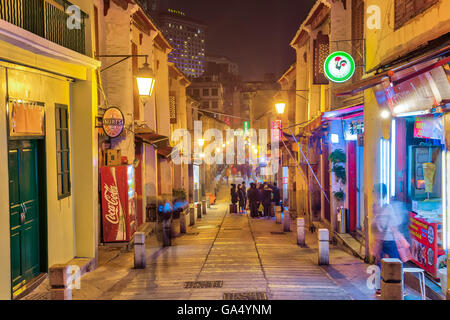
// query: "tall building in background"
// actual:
[[187, 36]]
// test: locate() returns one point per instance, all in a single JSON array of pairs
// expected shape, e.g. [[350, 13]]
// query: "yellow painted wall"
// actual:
[[35, 87], [387, 42]]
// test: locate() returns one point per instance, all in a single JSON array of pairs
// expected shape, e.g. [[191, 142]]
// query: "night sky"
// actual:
[[253, 33]]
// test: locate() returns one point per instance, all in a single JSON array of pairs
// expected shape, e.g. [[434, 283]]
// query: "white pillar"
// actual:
[[278, 215], [183, 221], [58, 279], [391, 279], [204, 207], [139, 250], [324, 247], [192, 216], [301, 231], [199, 210], [286, 221]]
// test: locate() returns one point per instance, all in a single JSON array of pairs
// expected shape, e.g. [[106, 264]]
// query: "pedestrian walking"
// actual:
[[276, 194], [244, 189], [253, 199], [266, 199], [241, 197], [389, 241], [260, 200], [234, 198]]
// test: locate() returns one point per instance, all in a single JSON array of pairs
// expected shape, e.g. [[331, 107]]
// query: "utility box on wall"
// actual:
[[113, 157]]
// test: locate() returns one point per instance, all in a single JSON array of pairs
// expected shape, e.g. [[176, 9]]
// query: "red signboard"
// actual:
[[277, 125], [424, 243], [428, 127], [118, 209]]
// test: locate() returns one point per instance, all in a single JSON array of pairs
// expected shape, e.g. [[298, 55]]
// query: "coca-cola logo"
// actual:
[[111, 195]]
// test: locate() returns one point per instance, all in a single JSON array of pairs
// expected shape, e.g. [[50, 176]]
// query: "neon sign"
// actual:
[[339, 66]]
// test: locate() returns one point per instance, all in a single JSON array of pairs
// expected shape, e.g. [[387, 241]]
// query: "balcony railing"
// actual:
[[46, 20]]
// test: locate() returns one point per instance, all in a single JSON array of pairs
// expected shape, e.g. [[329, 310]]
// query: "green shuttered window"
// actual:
[[62, 150]]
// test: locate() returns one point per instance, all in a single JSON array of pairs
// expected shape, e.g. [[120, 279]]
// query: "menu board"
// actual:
[[425, 236], [429, 127]]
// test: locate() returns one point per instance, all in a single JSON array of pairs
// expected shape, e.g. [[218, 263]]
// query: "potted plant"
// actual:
[[338, 159]]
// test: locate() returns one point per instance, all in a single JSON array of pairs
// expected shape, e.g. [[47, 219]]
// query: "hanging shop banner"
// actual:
[[353, 128], [278, 125], [26, 119], [429, 127], [339, 66], [321, 52], [113, 122]]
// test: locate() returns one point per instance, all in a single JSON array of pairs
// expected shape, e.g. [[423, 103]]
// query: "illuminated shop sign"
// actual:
[[113, 122], [339, 66]]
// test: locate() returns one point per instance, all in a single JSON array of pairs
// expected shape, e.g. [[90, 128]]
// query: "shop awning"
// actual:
[[343, 112], [440, 52], [165, 151], [150, 137]]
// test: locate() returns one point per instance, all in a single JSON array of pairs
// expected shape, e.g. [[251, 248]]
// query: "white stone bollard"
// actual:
[[183, 221], [287, 222], [59, 282], [203, 207], [324, 247], [139, 250], [301, 231], [391, 279], [191, 216], [199, 210], [278, 215]]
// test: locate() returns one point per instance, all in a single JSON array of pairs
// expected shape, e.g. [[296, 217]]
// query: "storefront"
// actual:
[[407, 126], [413, 158], [49, 177], [346, 137]]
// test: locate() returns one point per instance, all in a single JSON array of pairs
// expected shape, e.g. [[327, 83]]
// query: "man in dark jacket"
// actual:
[[266, 199], [253, 198], [276, 194], [244, 189]]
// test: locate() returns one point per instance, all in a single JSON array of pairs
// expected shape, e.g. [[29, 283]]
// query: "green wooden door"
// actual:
[[24, 212]]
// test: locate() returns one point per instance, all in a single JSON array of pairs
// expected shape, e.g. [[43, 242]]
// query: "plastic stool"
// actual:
[[421, 280]]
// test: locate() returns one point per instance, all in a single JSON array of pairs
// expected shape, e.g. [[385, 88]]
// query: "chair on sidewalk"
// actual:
[[421, 281]]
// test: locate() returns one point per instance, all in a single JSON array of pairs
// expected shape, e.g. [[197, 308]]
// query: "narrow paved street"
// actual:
[[248, 255]]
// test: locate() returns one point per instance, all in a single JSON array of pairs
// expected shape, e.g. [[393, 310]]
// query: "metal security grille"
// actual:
[[45, 20], [245, 296], [202, 284]]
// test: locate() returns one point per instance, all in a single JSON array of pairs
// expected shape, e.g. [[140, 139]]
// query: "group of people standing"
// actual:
[[257, 198]]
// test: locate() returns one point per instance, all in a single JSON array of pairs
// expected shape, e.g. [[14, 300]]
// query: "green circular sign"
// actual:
[[339, 66]]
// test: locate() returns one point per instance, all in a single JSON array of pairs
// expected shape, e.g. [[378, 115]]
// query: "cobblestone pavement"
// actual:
[[245, 255]]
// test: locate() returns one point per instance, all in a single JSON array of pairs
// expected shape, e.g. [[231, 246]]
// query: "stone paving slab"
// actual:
[[233, 248]]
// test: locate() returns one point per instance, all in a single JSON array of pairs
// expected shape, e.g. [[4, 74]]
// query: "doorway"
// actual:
[[352, 185], [26, 166]]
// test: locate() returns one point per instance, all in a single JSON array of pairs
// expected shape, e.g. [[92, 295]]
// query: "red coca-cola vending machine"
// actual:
[[118, 203]]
